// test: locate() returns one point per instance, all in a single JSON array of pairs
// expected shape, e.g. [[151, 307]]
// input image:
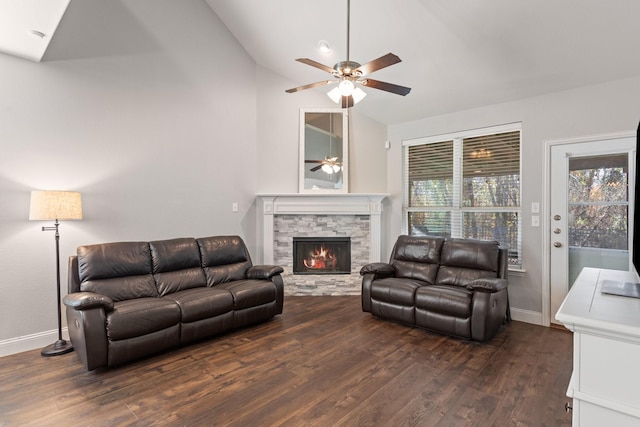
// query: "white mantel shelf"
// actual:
[[320, 204]]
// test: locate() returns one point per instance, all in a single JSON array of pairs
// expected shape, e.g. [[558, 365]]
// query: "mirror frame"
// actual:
[[345, 151]]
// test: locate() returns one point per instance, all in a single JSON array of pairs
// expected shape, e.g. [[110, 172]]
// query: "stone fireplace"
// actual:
[[285, 218]]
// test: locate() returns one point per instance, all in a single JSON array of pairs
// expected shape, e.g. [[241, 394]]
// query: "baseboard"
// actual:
[[527, 316], [30, 342]]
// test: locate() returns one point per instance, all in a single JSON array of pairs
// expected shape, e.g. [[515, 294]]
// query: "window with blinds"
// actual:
[[466, 185]]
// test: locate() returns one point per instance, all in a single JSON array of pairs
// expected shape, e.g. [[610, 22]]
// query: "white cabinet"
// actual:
[[605, 383]]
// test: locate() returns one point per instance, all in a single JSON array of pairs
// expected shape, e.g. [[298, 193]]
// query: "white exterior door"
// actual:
[[589, 210]]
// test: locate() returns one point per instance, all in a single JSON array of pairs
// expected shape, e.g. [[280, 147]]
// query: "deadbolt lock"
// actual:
[[557, 217]]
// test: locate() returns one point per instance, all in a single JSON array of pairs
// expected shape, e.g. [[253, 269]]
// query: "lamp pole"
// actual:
[[61, 346]]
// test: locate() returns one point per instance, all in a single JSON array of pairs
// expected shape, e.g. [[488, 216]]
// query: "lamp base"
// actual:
[[57, 348]]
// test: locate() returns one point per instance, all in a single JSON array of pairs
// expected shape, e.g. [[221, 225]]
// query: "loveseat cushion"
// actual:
[[223, 258], [395, 290], [465, 260], [417, 257], [447, 300], [176, 265], [120, 270], [141, 316]]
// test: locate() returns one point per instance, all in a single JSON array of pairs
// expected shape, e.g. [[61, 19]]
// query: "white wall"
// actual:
[[605, 108], [148, 107]]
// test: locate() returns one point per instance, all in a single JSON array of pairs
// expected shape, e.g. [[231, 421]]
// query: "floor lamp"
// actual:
[[56, 205]]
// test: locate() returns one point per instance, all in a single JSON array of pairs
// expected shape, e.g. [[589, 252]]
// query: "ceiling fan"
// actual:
[[349, 73]]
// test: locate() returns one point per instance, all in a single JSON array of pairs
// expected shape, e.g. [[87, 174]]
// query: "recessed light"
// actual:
[[38, 33], [324, 46]]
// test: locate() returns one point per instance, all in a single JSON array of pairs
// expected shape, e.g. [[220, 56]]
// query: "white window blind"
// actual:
[[466, 185]]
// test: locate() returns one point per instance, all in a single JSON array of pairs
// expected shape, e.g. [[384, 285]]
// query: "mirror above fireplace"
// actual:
[[323, 151]]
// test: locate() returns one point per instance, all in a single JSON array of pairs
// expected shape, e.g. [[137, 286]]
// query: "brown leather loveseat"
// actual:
[[456, 287], [128, 300]]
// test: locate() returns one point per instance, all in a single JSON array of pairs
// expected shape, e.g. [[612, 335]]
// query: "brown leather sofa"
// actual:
[[456, 287], [128, 300]]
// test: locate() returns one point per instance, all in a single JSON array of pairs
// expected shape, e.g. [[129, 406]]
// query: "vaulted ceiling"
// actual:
[[456, 54]]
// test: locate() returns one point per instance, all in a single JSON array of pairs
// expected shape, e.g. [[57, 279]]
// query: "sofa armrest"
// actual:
[[87, 300], [488, 285], [379, 268], [263, 271]]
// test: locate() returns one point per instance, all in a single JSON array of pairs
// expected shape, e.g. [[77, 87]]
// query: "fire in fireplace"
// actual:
[[321, 255]]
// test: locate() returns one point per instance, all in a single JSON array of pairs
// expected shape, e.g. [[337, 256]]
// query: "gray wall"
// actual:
[[605, 108], [158, 116], [146, 107], [277, 139]]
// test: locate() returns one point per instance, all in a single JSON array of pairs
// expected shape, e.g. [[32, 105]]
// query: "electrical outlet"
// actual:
[[234, 207]]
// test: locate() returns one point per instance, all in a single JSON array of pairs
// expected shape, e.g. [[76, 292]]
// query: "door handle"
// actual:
[[557, 244]]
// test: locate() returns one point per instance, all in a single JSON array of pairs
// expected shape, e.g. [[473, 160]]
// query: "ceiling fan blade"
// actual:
[[378, 64], [389, 87], [310, 85], [347, 101], [316, 168], [314, 161], [316, 64]]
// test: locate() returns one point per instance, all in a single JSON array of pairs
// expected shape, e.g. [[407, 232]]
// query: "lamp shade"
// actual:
[[52, 205]]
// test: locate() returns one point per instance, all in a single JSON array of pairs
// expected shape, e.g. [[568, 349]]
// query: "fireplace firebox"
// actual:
[[321, 255]]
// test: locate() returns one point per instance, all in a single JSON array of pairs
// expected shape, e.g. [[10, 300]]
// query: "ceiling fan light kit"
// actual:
[[349, 73]]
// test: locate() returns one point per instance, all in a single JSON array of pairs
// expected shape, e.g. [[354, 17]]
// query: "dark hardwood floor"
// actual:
[[322, 363]]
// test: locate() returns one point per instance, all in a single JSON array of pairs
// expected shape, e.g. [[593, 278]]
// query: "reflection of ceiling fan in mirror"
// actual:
[[349, 73], [330, 164]]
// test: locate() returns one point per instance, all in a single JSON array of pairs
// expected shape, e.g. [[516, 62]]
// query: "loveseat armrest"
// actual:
[[488, 285], [378, 268], [263, 271], [371, 272], [87, 300]]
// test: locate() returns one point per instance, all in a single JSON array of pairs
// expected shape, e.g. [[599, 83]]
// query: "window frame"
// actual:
[[457, 209]]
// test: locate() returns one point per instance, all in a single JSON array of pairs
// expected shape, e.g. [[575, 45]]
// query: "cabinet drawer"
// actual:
[[607, 368]]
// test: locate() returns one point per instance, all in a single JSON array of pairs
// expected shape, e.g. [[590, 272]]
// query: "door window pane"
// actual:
[[598, 202]]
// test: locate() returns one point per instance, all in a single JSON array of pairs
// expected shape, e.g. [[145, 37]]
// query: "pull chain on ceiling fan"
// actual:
[[349, 74]]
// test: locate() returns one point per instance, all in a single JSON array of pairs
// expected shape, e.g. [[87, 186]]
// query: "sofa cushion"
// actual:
[[120, 270], [223, 258], [447, 300], [250, 293], [141, 316], [394, 290], [176, 265], [417, 257], [201, 303], [465, 260]]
